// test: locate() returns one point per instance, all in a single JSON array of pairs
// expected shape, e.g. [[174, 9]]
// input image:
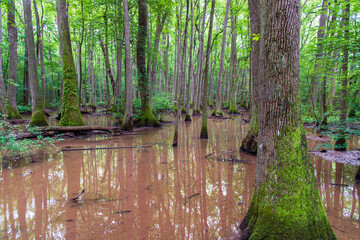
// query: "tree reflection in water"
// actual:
[[171, 193]]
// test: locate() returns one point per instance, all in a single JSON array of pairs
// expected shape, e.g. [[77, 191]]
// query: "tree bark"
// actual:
[[11, 107], [70, 112], [204, 129], [286, 203], [234, 68], [147, 117], [222, 56], [127, 123], [2, 80], [340, 143], [249, 143], [37, 117]]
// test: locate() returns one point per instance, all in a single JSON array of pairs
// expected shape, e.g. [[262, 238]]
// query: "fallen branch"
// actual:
[[102, 148], [78, 129], [120, 212]]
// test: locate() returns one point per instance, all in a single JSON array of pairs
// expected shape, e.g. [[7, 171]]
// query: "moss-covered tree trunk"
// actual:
[[234, 67], [147, 117], [11, 107], [190, 74], [249, 143], [70, 112], [127, 123], [37, 116], [204, 129], [286, 203]]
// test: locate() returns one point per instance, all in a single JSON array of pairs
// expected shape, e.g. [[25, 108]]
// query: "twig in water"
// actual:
[[120, 212], [211, 234], [75, 199], [210, 154]]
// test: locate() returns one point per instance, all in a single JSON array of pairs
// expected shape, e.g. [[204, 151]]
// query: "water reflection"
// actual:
[[152, 193]]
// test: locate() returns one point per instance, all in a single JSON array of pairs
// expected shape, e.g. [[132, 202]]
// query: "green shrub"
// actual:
[[24, 109]]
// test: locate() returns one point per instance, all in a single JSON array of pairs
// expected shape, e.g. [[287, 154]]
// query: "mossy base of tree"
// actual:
[[148, 119], [217, 113], [127, 124], [188, 118], [71, 118], [196, 112], [287, 203], [38, 119], [12, 113], [250, 142], [233, 110], [183, 110]]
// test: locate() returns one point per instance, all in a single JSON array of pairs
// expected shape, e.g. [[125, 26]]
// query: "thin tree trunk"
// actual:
[[70, 112], [2, 80], [11, 108], [147, 117], [249, 143], [340, 144], [204, 129], [166, 71], [234, 66], [222, 56], [37, 117], [127, 123], [315, 80]]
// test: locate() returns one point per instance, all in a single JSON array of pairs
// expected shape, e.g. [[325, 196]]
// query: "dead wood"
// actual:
[[102, 148], [78, 129]]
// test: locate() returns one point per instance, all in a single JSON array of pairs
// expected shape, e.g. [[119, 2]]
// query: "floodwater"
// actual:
[[142, 188]]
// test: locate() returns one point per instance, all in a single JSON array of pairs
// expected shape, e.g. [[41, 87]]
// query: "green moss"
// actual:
[[250, 142], [38, 119], [287, 204], [187, 118], [127, 124], [183, 110], [233, 109], [196, 111], [12, 113], [204, 132], [148, 119]]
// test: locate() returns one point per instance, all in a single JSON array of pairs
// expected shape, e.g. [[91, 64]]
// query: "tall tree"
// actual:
[[222, 56], [2, 80], [147, 117], [234, 67], [286, 203], [127, 123], [70, 111], [11, 108], [249, 143], [37, 104], [340, 144], [204, 129]]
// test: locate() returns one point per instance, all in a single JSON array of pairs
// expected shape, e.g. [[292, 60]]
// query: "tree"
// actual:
[[204, 130], [37, 103], [2, 81], [11, 107], [340, 144], [218, 94], [127, 123], [147, 117], [249, 143], [70, 112], [286, 203]]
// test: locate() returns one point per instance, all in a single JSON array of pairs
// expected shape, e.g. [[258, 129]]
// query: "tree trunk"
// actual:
[[2, 80], [222, 56], [286, 203], [147, 117], [40, 50], [127, 123], [315, 80], [340, 144], [204, 129], [70, 112], [249, 143], [11, 108], [234, 68], [37, 117]]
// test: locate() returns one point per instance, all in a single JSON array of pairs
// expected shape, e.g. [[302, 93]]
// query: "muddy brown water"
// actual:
[[156, 192]]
